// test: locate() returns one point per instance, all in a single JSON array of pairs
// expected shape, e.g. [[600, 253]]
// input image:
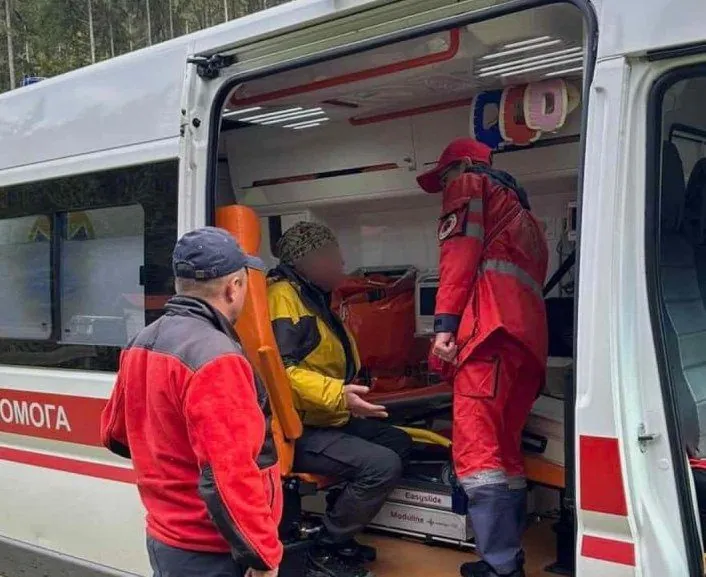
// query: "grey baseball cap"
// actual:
[[208, 253]]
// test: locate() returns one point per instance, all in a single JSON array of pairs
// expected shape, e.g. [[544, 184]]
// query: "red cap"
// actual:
[[457, 150]]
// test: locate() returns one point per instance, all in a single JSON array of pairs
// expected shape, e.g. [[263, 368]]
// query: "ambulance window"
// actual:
[[25, 282], [676, 260], [102, 254], [681, 254], [89, 258]]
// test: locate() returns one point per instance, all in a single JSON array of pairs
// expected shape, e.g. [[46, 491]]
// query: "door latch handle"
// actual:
[[644, 437]]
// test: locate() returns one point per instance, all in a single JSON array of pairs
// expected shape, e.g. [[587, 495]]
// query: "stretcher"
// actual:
[[416, 405], [427, 506], [424, 505]]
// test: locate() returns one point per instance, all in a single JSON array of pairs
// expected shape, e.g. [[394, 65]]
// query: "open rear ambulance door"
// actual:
[[641, 318]]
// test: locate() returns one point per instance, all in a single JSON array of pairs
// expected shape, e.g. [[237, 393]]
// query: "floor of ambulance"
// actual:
[[398, 557]]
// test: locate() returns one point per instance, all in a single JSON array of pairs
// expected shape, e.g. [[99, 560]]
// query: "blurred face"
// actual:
[[323, 267], [451, 173], [236, 289]]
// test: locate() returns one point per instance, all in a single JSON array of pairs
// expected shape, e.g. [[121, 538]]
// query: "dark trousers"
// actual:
[[168, 561], [369, 454]]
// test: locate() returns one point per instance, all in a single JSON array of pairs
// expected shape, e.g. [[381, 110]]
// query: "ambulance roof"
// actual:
[[136, 98]]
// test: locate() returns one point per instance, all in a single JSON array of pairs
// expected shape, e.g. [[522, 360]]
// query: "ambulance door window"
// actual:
[[25, 282], [676, 260], [102, 254], [681, 257]]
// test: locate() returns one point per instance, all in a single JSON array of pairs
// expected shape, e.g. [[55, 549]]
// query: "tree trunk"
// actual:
[[111, 33], [149, 22], [129, 32], [90, 31], [171, 19], [10, 46], [225, 10]]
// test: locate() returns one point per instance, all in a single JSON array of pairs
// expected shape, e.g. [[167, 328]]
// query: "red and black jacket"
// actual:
[[189, 412]]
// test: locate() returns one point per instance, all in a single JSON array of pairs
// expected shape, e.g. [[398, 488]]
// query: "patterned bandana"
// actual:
[[302, 239]]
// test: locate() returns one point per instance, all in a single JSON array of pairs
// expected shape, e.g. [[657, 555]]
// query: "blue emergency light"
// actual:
[[27, 80]]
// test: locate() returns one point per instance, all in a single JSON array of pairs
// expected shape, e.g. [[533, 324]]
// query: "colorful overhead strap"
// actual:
[[546, 105], [512, 122], [489, 135]]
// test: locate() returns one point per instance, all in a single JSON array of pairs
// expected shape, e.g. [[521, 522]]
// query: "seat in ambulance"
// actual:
[[683, 307], [695, 208]]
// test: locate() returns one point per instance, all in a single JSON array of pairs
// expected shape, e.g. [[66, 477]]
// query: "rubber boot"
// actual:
[[498, 516]]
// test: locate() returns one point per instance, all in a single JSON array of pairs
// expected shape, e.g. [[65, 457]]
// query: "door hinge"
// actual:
[[644, 437], [209, 67]]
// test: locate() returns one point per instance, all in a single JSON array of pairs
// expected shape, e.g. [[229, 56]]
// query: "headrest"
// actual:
[[673, 188], [695, 207]]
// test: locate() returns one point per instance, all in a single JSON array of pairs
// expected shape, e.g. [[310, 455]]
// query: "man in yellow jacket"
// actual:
[[344, 436]]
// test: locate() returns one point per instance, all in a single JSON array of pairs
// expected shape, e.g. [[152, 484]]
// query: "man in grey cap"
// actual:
[[189, 412]]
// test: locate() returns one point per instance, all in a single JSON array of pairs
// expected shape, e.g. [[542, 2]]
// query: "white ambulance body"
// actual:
[[102, 168]]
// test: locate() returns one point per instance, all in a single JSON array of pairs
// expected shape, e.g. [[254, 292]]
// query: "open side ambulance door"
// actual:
[[641, 346]]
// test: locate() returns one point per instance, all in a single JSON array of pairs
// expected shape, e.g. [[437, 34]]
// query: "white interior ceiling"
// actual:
[[523, 47]]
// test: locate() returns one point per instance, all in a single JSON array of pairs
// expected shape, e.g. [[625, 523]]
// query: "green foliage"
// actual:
[[49, 37]]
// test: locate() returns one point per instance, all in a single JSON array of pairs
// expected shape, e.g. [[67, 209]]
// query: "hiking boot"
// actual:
[[322, 562], [482, 569], [352, 550]]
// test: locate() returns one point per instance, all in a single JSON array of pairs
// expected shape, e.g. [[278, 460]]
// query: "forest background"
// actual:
[[43, 38]]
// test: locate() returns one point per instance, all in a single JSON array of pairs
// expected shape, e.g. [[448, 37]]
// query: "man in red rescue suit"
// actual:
[[194, 419], [491, 334]]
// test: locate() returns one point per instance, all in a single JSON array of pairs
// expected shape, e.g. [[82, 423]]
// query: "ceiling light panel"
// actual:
[[293, 116], [539, 59], [231, 113], [272, 114], [544, 54], [288, 117], [565, 72], [311, 124], [505, 52], [525, 43], [543, 66]]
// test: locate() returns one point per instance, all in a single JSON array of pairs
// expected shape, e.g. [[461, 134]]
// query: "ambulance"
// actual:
[[327, 110]]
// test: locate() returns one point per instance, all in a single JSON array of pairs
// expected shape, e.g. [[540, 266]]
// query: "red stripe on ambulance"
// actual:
[[601, 478], [75, 466], [49, 416], [603, 504], [621, 552]]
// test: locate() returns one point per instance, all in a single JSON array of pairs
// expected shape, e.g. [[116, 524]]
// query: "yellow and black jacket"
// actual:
[[318, 352]]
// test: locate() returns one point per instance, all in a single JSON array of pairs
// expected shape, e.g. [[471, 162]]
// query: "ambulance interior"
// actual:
[[341, 142]]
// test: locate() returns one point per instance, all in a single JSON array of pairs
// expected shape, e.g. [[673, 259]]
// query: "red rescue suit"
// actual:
[[492, 266]]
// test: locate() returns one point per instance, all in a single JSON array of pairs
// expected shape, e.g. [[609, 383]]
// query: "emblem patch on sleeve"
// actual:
[[453, 223], [447, 226]]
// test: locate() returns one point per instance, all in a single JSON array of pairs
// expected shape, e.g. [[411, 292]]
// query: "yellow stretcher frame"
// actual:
[[537, 469]]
